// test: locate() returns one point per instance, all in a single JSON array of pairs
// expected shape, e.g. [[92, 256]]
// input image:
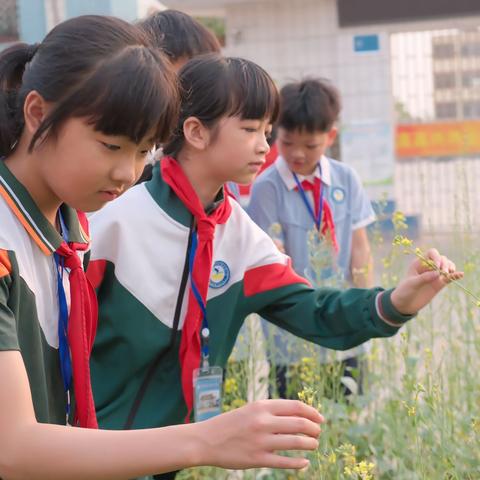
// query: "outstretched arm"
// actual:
[[244, 438]]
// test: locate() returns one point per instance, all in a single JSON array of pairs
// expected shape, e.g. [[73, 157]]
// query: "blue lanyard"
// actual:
[[205, 333], [63, 347], [316, 220]]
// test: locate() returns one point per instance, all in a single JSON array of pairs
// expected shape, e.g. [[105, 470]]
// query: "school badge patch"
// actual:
[[220, 274], [338, 195]]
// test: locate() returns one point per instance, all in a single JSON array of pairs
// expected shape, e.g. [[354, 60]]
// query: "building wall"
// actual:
[[295, 39], [292, 40], [456, 68]]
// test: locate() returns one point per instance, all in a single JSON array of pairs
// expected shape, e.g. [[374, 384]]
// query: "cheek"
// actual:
[[285, 151], [313, 155], [139, 167]]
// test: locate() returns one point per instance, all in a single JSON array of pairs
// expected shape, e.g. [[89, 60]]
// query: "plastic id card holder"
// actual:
[[207, 386]]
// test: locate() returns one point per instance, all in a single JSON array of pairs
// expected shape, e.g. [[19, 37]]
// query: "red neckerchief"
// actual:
[[82, 326], [327, 223], [190, 347]]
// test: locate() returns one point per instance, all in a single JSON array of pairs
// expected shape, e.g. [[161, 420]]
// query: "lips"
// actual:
[[111, 194], [258, 164]]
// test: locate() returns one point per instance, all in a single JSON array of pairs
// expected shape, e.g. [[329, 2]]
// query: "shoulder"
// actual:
[[125, 204], [268, 181], [12, 234], [244, 232], [341, 168], [344, 175], [269, 175]]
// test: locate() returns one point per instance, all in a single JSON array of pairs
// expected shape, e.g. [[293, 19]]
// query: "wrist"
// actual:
[[195, 446], [389, 309], [398, 304]]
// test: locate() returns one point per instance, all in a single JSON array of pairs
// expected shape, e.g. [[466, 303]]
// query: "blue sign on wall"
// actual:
[[366, 43]]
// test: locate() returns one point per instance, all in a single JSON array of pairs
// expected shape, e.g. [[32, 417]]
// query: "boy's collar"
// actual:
[[287, 177], [42, 232]]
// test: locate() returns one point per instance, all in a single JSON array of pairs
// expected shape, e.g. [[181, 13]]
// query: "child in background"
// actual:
[[173, 298], [181, 38], [289, 194], [74, 135]]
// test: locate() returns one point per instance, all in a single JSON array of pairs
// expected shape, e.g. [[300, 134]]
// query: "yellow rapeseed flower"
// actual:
[[332, 458]]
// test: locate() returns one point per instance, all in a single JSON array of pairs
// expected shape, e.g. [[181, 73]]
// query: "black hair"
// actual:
[[100, 68], [179, 35], [212, 87], [312, 105]]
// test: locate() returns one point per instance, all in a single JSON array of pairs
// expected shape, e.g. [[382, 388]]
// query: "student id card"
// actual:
[[207, 386]]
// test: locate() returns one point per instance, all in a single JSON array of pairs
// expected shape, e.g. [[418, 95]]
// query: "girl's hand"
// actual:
[[422, 283], [249, 437]]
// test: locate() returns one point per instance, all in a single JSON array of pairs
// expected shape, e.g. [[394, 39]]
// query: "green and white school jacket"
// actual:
[[138, 260], [28, 292]]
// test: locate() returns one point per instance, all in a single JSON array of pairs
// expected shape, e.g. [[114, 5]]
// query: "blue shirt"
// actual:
[[274, 200]]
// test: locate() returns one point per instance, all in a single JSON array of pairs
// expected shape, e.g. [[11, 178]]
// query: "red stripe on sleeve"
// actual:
[[268, 277]]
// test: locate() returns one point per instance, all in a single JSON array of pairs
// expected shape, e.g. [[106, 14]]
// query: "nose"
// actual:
[[264, 147], [298, 154], [124, 172]]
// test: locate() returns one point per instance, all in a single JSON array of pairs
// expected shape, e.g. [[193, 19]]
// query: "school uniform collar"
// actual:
[[209, 209], [42, 232], [168, 201], [288, 179]]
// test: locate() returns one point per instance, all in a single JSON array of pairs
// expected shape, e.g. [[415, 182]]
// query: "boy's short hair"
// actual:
[[179, 35], [312, 105]]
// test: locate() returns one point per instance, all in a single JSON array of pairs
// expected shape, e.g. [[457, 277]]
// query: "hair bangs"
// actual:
[[144, 101], [255, 95]]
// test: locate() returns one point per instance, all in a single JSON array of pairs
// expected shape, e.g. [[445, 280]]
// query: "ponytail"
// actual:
[[13, 61]]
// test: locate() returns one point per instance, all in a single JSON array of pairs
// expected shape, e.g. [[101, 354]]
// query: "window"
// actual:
[[443, 50], [471, 79], [471, 49], [471, 109], [446, 110], [444, 80]]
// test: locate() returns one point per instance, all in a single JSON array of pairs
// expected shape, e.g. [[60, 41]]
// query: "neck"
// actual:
[[311, 171], [25, 167], [206, 186]]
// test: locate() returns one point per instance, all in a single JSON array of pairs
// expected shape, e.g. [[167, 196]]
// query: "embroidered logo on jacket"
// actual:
[[220, 274], [338, 195]]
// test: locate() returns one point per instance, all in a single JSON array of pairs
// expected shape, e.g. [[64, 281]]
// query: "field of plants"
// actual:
[[419, 416]]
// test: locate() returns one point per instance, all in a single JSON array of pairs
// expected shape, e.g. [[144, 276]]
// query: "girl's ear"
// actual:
[[196, 134], [35, 110]]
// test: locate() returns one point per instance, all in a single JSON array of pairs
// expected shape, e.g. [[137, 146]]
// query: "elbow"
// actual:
[[12, 458], [10, 465]]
